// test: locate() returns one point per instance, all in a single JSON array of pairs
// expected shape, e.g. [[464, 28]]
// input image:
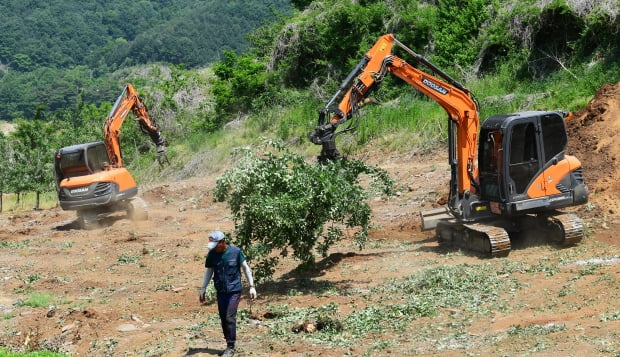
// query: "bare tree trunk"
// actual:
[[560, 62]]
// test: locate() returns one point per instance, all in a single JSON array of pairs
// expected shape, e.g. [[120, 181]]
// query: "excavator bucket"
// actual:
[[430, 218]]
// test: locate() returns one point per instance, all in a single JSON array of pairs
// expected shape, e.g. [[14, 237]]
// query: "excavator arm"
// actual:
[[367, 77], [129, 100]]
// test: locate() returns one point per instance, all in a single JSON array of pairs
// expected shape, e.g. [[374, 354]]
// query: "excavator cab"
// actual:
[[85, 179], [88, 184], [81, 159], [524, 178], [523, 166]]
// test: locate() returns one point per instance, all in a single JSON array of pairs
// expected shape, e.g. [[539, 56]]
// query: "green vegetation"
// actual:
[[128, 258], [212, 97], [6, 353], [388, 310], [38, 300], [512, 55], [57, 53], [281, 202], [613, 316]]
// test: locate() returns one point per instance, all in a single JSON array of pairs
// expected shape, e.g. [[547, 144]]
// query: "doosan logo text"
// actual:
[[434, 86], [79, 190]]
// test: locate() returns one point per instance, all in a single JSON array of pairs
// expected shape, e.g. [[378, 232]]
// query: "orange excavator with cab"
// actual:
[[90, 177], [509, 175]]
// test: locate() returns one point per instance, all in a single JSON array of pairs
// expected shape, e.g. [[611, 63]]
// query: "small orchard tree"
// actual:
[[281, 203], [33, 156], [4, 169]]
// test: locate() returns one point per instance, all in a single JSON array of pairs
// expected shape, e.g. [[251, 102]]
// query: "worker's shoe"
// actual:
[[228, 352]]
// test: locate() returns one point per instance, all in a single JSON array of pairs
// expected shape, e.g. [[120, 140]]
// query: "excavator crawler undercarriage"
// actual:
[[493, 238], [568, 228], [482, 238]]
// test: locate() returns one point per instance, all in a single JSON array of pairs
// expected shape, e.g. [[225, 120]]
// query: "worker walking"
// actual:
[[224, 263]]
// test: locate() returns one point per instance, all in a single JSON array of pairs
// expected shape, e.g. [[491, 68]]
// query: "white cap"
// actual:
[[214, 238]]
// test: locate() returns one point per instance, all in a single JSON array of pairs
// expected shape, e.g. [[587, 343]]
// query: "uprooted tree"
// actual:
[[282, 203]]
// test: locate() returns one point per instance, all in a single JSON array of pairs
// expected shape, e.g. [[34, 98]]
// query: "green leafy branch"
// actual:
[[282, 203]]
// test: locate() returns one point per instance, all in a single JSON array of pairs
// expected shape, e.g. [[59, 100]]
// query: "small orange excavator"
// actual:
[[90, 177], [508, 175]]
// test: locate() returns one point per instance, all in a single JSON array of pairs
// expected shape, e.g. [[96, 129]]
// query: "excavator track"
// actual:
[[490, 240], [497, 236], [567, 228]]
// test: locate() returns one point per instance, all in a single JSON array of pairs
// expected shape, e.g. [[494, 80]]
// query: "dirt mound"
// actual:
[[592, 139]]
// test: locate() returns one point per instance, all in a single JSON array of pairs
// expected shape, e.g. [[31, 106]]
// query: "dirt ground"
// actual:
[[131, 288]]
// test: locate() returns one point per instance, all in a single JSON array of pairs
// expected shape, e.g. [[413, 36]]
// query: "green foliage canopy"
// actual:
[[241, 80], [280, 203], [107, 34]]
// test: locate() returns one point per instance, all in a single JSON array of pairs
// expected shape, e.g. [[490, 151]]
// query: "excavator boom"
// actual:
[[452, 96], [129, 100]]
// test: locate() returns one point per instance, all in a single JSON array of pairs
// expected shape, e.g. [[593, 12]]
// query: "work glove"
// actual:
[[252, 293], [201, 296]]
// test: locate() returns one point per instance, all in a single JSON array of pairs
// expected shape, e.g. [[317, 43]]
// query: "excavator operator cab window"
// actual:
[[97, 158], [554, 135], [524, 162], [71, 164], [85, 160], [489, 166]]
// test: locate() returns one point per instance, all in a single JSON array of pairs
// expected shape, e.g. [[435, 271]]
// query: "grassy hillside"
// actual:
[[519, 56], [511, 55], [542, 54]]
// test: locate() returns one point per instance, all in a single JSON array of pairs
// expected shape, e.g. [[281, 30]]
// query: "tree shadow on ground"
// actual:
[[302, 278], [318, 268]]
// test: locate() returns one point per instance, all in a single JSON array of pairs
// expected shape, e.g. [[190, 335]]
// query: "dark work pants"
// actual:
[[227, 304]]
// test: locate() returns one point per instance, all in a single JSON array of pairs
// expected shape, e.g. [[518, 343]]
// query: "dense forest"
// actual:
[[54, 53], [203, 64]]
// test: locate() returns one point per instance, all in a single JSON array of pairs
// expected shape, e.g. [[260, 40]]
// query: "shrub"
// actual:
[[281, 202]]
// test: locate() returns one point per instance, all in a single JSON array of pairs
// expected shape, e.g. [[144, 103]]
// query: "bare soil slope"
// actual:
[[593, 137], [131, 288]]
